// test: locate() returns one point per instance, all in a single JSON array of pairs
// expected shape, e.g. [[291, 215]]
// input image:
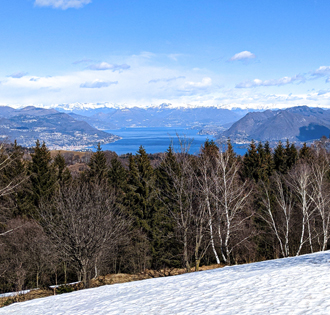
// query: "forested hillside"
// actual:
[[130, 213]]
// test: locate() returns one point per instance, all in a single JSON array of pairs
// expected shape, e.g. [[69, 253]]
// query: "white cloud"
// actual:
[[97, 84], [174, 56], [106, 66], [272, 82], [153, 81], [243, 55], [206, 82], [82, 61], [62, 4], [167, 79], [17, 75], [322, 71]]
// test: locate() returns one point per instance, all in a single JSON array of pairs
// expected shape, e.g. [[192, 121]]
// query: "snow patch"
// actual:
[[295, 285]]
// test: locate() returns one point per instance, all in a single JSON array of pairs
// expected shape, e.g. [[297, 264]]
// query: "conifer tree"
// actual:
[[98, 166], [291, 155], [209, 148], [231, 153], [167, 246], [269, 159], [117, 179], [42, 175], [280, 158], [141, 184], [63, 173], [117, 175], [251, 162], [305, 153], [18, 169]]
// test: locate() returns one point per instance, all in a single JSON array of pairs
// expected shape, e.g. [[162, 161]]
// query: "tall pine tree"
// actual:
[[98, 169], [42, 175]]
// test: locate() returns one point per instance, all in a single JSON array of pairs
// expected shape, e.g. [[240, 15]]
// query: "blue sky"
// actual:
[[139, 53]]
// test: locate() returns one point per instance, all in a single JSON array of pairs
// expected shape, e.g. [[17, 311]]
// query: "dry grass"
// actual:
[[103, 280]]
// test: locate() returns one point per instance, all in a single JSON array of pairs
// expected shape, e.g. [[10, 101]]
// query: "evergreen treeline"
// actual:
[[175, 211]]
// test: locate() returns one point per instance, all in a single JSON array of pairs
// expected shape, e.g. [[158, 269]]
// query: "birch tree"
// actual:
[[320, 196], [206, 187], [300, 180], [231, 195], [278, 217]]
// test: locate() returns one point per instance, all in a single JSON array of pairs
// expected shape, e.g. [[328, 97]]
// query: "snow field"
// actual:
[[296, 285]]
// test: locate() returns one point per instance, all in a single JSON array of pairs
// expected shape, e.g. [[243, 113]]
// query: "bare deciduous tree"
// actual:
[[279, 221], [81, 220], [231, 195], [320, 195], [300, 180], [205, 183]]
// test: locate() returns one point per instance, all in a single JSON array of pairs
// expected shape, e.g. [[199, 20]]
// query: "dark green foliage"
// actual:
[[64, 289], [42, 175], [63, 174], [305, 153], [291, 155], [117, 175], [251, 162], [141, 195], [155, 192], [98, 166], [280, 158], [18, 170], [209, 148], [268, 160], [230, 151], [168, 249]]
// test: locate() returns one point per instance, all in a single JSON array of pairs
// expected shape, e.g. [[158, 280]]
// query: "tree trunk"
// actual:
[[197, 263], [185, 251], [65, 273]]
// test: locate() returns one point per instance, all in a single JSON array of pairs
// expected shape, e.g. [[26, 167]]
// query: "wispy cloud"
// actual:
[[243, 55], [167, 79], [174, 56], [62, 4], [194, 88], [97, 84], [17, 75], [321, 71], [168, 83], [106, 66], [82, 61], [272, 82], [322, 92], [203, 84]]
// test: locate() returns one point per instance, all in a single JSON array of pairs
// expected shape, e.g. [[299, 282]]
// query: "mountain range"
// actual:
[[162, 116], [71, 129], [58, 130], [299, 124]]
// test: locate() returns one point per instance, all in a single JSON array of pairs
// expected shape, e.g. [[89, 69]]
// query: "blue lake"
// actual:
[[156, 140]]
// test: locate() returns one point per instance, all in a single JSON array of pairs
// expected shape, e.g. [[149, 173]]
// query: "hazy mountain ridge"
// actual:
[[56, 129], [300, 123], [162, 116]]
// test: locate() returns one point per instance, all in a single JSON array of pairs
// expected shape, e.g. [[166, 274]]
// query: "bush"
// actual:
[[64, 289]]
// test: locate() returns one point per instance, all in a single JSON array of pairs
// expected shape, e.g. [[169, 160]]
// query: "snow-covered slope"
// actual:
[[297, 285]]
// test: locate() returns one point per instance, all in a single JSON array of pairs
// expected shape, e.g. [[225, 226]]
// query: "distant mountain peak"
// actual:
[[300, 123]]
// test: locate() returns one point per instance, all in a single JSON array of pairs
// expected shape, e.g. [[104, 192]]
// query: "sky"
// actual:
[[237, 53]]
